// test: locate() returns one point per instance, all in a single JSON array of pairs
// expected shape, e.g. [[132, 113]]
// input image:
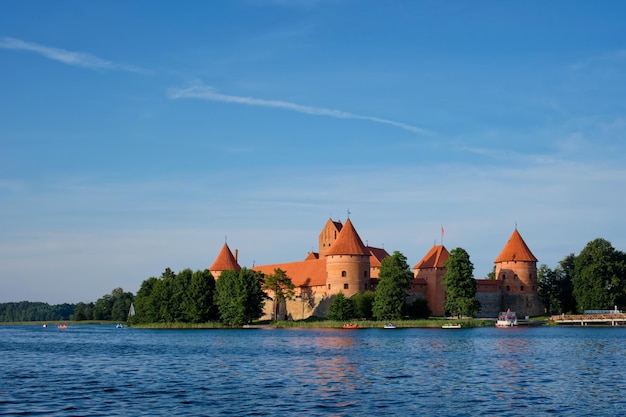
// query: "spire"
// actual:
[[516, 250], [225, 261], [348, 242]]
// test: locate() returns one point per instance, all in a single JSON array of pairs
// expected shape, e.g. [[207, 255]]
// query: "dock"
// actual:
[[610, 319]]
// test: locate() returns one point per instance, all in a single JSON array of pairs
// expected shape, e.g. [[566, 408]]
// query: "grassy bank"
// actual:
[[315, 323]]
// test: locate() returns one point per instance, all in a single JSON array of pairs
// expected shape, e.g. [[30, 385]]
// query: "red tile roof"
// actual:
[[515, 250], [348, 242], [225, 261], [309, 273], [377, 255], [311, 256], [435, 258]]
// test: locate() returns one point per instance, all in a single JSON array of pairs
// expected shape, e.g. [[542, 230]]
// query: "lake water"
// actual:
[[97, 370]]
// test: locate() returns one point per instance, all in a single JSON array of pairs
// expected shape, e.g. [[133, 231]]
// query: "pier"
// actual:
[[608, 319]]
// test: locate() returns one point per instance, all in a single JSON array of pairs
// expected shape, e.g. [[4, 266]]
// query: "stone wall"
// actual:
[[490, 304]]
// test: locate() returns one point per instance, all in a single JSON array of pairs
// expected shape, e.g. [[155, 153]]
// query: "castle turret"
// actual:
[[516, 267], [432, 269], [347, 263], [225, 261], [328, 235]]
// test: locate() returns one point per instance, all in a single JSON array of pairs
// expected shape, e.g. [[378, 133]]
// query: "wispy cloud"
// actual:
[[205, 92], [78, 59]]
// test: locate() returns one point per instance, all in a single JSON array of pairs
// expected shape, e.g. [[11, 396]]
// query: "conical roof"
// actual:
[[516, 250], [348, 242], [435, 258], [225, 261]]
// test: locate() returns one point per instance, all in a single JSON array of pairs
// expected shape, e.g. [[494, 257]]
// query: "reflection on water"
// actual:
[[100, 370]]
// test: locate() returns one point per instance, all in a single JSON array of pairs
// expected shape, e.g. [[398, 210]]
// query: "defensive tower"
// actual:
[[347, 263]]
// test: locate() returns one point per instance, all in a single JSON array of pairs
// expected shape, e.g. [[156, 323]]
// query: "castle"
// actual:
[[344, 264]]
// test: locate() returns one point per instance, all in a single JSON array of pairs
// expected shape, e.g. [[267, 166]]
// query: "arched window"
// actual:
[[343, 274], [345, 286]]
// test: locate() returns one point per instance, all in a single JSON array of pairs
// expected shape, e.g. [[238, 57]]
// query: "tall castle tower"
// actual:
[[516, 267], [347, 263], [328, 235]]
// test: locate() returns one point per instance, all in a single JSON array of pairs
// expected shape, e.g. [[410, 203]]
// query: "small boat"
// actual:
[[507, 319], [451, 326], [62, 326], [351, 326], [390, 326], [44, 326], [119, 326]]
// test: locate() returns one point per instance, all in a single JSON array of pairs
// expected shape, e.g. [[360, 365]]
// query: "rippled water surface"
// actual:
[[91, 370]]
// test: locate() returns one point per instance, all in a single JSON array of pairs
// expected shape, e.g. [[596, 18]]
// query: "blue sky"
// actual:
[[136, 136]]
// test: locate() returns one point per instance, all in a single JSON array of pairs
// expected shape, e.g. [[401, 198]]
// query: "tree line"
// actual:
[[595, 279], [35, 311]]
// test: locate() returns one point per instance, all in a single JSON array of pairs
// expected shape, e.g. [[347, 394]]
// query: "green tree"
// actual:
[[341, 308], [599, 279], [239, 297], [102, 308], [564, 273], [548, 289], [363, 304], [79, 312], [394, 281], [121, 305], [199, 306], [460, 285], [419, 309], [146, 310], [281, 287]]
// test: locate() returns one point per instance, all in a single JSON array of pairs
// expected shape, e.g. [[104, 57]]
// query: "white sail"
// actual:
[[131, 310]]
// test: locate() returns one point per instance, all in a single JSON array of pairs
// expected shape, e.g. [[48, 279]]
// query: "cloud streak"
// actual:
[[77, 59], [204, 92]]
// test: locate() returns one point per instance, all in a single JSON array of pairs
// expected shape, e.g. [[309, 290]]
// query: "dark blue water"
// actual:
[[91, 370]]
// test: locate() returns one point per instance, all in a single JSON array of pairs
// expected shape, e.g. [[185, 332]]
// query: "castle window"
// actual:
[[329, 286], [343, 274], [503, 276], [345, 286], [521, 288], [507, 287], [364, 274], [515, 277]]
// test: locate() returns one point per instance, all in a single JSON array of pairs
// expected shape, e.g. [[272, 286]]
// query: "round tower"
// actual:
[[347, 263], [516, 267]]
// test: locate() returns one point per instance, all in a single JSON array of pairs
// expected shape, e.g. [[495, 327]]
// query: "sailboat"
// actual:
[[131, 313]]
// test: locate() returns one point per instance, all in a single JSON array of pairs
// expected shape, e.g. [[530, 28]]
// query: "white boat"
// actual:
[[390, 326], [507, 319], [451, 326]]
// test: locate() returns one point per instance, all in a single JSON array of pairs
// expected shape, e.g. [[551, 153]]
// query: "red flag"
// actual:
[[442, 234]]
